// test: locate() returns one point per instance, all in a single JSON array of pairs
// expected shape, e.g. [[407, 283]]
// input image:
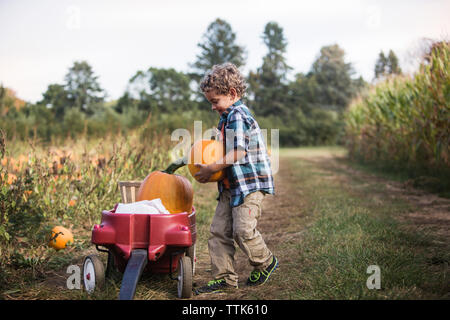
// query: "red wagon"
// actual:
[[136, 243]]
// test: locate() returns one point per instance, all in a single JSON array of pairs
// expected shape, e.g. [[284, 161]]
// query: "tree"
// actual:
[[6, 101], [301, 93], [137, 93], [82, 87], [334, 86], [170, 89], [268, 85], [9, 101], [392, 63], [386, 66], [80, 90], [166, 90], [380, 65], [55, 98], [42, 119], [218, 46], [274, 63]]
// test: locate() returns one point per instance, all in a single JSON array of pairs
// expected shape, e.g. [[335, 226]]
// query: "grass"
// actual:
[[345, 223], [433, 183], [352, 231]]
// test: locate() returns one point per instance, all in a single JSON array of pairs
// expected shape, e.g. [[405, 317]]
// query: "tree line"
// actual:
[[308, 110]]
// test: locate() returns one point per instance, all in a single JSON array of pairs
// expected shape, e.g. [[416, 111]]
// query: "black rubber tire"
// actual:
[[184, 277], [99, 273]]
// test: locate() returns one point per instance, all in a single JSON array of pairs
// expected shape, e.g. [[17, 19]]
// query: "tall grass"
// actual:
[[403, 122], [69, 185]]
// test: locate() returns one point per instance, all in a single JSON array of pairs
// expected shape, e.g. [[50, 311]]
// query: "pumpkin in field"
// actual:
[[61, 237], [175, 191], [206, 152]]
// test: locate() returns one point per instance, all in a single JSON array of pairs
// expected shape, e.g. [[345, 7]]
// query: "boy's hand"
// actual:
[[204, 173]]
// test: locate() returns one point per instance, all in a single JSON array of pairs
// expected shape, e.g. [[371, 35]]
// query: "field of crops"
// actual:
[[41, 187], [403, 122]]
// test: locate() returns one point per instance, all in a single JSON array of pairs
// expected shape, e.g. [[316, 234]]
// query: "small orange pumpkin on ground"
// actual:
[[175, 191], [61, 237]]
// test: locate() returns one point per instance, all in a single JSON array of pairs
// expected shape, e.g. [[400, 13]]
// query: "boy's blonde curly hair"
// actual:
[[222, 77]]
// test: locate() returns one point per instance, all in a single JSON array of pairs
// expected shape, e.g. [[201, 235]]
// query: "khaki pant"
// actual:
[[236, 224]]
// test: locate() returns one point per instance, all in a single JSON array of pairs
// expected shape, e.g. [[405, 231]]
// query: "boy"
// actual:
[[248, 179]]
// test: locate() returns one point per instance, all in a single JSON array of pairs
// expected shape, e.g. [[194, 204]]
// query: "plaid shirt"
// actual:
[[252, 172]]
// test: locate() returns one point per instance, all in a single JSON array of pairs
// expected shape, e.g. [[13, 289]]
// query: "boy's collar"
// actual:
[[228, 110], [237, 103]]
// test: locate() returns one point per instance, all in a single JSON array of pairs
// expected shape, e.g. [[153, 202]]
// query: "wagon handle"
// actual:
[[133, 271]]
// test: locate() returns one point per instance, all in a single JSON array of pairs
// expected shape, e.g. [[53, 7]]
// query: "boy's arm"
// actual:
[[230, 158], [206, 171], [237, 138]]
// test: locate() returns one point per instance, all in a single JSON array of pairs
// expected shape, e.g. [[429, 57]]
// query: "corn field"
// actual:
[[404, 122]]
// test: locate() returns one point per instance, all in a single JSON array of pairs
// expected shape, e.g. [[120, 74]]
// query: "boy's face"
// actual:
[[220, 102]]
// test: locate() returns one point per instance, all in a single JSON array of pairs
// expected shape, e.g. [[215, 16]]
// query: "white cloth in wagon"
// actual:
[[154, 206]]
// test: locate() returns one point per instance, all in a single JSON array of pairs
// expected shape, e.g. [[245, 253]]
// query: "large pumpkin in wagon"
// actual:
[[206, 152], [175, 191]]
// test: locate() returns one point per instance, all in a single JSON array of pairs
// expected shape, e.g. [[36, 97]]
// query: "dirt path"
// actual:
[[430, 213], [284, 220], [276, 225]]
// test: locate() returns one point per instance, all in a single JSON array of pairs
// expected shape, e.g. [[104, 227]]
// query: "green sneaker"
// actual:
[[260, 277], [214, 286]]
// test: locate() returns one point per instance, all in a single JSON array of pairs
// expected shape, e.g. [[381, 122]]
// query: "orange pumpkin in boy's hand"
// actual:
[[206, 152]]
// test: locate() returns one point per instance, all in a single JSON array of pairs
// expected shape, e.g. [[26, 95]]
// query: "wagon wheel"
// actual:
[[191, 253], [93, 273], [184, 277]]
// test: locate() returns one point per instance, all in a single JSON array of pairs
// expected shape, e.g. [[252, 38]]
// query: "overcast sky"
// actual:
[[40, 40]]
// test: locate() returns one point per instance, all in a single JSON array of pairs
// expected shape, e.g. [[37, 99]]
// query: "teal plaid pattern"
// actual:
[[253, 171]]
